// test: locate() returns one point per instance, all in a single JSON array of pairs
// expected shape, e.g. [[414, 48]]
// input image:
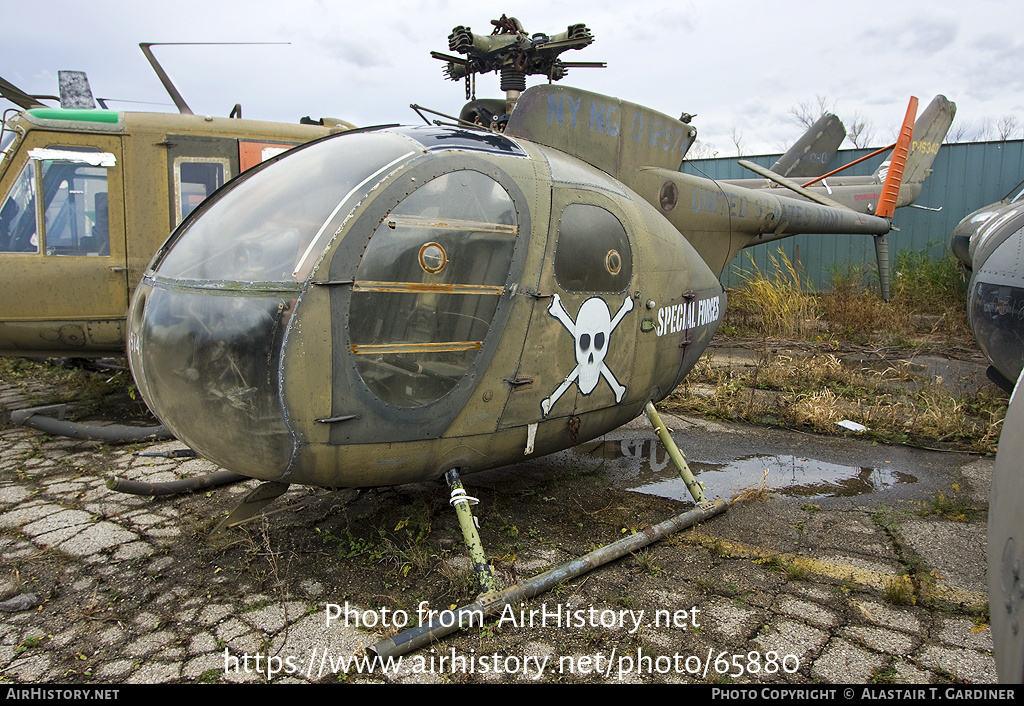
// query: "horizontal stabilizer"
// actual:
[[792, 185]]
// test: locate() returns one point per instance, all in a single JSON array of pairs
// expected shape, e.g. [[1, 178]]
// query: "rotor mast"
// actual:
[[513, 53]]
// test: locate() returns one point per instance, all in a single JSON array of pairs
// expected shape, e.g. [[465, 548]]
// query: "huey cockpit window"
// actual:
[[428, 286], [196, 178], [72, 186], [18, 231], [593, 253]]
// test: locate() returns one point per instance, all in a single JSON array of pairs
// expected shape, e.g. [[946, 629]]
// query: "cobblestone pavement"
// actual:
[[101, 587]]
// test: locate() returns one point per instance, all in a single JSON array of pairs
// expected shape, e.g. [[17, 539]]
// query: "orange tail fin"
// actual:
[[891, 188]]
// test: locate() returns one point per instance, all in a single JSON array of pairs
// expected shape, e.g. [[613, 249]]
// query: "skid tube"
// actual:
[[492, 603]]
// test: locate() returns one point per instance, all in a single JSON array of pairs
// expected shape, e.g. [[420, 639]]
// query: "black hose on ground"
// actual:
[[177, 487], [111, 434]]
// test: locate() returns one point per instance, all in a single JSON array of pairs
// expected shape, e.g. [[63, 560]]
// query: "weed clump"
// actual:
[[928, 303], [900, 591], [803, 380], [778, 303]]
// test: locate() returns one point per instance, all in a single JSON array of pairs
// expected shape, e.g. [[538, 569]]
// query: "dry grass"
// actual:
[[802, 383], [927, 306], [814, 390], [759, 494], [778, 303], [899, 590]]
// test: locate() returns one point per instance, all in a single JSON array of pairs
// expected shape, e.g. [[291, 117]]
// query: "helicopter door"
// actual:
[[62, 242], [579, 350], [427, 303]]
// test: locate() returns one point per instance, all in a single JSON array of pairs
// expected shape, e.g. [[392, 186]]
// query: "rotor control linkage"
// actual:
[[696, 489], [462, 503]]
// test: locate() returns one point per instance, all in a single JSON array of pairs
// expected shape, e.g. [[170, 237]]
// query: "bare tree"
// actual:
[[1007, 126], [737, 140], [985, 132], [701, 150], [860, 132], [958, 131], [807, 114]]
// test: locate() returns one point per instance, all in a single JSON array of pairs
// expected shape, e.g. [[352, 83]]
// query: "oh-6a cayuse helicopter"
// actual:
[[392, 305]]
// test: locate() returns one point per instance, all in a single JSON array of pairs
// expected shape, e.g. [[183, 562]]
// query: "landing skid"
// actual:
[[491, 601]]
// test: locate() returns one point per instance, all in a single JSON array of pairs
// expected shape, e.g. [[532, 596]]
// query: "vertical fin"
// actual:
[[890, 192], [930, 130], [810, 155]]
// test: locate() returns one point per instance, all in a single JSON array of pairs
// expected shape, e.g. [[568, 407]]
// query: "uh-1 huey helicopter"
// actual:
[[87, 195], [384, 305]]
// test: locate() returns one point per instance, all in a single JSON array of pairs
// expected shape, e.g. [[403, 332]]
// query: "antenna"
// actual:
[[179, 102]]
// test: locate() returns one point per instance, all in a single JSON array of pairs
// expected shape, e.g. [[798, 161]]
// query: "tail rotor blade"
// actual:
[[891, 188]]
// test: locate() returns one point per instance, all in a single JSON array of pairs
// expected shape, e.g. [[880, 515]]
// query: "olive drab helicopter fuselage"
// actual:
[[989, 243], [381, 306], [86, 198]]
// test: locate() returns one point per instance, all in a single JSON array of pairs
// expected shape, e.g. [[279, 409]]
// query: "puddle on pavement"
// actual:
[[643, 465]]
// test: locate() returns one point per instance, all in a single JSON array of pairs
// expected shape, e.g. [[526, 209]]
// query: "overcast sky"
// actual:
[[741, 66]]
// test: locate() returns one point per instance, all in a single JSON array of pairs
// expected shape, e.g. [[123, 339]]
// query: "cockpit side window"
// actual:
[[73, 192], [592, 253], [77, 221], [18, 232], [270, 225], [195, 178]]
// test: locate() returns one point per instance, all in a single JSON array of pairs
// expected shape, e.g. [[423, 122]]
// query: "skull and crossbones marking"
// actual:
[[591, 330]]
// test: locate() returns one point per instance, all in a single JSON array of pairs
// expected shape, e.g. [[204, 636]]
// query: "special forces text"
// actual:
[[673, 319]]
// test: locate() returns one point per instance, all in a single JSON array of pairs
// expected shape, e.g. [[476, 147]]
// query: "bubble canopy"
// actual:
[[419, 242]]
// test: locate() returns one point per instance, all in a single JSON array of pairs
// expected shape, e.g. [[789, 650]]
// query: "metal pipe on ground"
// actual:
[[492, 603]]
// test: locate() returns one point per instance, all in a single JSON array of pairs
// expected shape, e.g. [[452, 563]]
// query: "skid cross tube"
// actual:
[[462, 503], [695, 488], [473, 614]]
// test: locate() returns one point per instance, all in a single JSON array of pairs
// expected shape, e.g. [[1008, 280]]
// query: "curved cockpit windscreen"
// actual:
[[271, 225]]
